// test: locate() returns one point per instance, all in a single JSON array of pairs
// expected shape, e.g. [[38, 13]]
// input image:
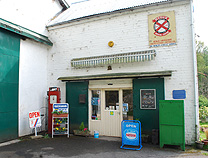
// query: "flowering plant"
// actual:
[[82, 130], [60, 120], [60, 129]]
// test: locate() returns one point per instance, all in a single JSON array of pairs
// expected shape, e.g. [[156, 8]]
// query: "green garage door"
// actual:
[[142, 110], [9, 79], [77, 98]]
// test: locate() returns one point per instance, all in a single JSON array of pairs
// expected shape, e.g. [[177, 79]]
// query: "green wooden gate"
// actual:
[[149, 117], [9, 81], [77, 98]]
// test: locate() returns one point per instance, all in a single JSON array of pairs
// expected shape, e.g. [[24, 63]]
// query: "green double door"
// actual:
[[9, 81], [146, 96]]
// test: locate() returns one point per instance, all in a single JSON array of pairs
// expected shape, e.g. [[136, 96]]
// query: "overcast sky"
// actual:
[[201, 20]]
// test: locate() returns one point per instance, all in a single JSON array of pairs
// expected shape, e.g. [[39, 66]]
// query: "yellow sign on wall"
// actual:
[[162, 29]]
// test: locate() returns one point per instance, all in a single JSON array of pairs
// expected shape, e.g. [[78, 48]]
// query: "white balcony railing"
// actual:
[[113, 59]]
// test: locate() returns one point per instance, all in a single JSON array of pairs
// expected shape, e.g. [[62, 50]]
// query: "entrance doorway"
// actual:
[[108, 108]]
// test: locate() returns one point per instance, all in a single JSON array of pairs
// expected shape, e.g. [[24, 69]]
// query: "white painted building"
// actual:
[[102, 49], [81, 36]]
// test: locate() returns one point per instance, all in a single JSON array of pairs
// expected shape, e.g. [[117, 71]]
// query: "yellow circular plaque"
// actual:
[[110, 44]]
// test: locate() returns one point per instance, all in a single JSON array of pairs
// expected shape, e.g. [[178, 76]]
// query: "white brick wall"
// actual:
[[129, 31]]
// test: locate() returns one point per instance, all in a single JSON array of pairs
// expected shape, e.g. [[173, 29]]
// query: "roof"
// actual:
[[89, 8], [117, 76], [24, 32]]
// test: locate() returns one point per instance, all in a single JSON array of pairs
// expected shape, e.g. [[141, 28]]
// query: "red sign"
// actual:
[[131, 135], [161, 26], [34, 114], [34, 119]]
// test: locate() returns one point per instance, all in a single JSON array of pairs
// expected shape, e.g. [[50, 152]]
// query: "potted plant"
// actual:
[[205, 141], [82, 131], [199, 144], [59, 114]]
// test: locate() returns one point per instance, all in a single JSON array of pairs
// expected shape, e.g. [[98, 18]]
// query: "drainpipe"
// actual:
[[195, 74], [64, 4]]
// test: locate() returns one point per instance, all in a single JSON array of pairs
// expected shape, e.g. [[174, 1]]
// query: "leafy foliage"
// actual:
[[81, 127], [202, 64], [203, 112], [203, 101]]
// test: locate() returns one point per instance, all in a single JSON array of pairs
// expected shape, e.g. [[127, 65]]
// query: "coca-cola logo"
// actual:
[[131, 135]]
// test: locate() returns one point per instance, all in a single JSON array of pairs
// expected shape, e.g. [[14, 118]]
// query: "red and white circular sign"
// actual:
[[161, 26]]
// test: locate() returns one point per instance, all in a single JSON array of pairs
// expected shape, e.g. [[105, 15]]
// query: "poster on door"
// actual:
[[148, 98], [162, 29]]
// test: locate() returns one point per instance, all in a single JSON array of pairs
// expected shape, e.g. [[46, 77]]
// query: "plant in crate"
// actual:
[[59, 130], [82, 131], [59, 113]]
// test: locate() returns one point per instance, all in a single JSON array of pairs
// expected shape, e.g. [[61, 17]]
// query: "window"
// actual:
[[96, 105], [111, 100]]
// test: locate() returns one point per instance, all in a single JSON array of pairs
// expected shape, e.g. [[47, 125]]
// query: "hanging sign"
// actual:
[[162, 29], [34, 119]]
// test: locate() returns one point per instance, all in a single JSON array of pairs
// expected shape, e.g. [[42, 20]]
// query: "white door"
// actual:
[[112, 112], [106, 105]]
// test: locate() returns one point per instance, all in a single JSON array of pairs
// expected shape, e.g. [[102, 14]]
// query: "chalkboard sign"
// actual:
[[148, 99]]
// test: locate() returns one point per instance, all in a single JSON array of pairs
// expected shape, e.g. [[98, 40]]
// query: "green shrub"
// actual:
[[81, 127], [203, 112], [203, 101]]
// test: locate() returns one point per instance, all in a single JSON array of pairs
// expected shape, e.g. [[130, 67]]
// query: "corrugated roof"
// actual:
[[89, 8]]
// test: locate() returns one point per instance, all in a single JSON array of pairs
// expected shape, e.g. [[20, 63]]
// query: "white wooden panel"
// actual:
[[118, 83]]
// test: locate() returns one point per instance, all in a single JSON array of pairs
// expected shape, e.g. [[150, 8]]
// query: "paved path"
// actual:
[[88, 147]]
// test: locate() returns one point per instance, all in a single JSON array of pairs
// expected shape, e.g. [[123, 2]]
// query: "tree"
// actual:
[[202, 66]]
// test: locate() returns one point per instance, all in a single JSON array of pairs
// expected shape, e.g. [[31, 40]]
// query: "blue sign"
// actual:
[[61, 107], [95, 101], [179, 94], [131, 134]]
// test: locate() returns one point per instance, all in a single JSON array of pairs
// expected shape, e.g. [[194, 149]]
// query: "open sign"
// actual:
[[34, 119], [34, 114]]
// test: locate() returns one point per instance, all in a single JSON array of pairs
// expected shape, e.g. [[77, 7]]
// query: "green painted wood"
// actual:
[[9, 81], [149, 117], [117, 76], [172, 123], [78, 111], [24, 32]]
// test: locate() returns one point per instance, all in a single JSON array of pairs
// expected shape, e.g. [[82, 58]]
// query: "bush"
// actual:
[[81, 127], [203, 101], [203, 112]]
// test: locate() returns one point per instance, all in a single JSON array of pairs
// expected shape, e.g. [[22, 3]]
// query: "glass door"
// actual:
[[128, 104]]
